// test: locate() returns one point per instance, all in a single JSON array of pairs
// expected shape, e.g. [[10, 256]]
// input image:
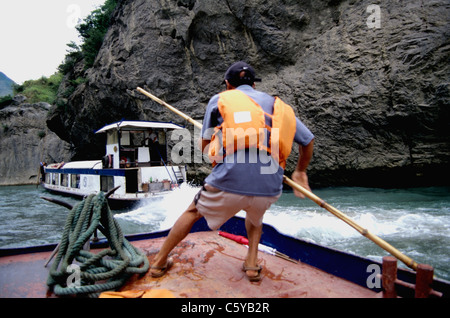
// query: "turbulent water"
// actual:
[[416, 221]]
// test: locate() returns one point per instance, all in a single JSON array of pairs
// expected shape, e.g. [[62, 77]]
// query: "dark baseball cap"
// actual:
[[233, 74]]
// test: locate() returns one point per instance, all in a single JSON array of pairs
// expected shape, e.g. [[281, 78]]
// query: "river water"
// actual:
[[416, 221]]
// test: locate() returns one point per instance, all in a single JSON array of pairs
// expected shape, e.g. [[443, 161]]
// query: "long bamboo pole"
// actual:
[[380, 242], [176, 111]]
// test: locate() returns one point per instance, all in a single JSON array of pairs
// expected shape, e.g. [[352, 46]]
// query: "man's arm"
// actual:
[[299, 175]]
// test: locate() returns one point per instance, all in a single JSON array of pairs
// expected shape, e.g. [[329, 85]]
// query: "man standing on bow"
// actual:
[[248, 136]]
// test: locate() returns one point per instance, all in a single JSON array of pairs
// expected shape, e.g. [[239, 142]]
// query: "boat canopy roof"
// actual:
[[137, 125], [88, 164]]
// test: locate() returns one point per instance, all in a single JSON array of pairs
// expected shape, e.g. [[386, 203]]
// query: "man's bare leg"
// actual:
[[254, 236], [179, 231]]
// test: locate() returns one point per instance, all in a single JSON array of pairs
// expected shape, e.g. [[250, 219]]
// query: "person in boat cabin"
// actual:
[[248, 135], [152, 142], [153, 138]]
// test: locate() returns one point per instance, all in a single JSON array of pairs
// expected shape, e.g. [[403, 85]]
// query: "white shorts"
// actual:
[[218, 206]]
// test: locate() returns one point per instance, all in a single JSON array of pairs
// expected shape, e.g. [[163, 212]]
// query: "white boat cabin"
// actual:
[[136, 159]]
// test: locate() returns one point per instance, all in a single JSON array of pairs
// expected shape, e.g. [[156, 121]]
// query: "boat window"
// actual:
[[75, 181], [142, 148], [47, 178], [106, 183], [138, 138], [111, 138], [65, 180], [125, 138], [127, 157], [53, 178]]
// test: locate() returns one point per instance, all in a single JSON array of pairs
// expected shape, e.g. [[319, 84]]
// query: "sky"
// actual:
[[34, 35]]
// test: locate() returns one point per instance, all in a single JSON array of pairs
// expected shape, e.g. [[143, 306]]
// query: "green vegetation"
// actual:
[[72, 57], [92, 32], [5, 100], [41, 134], [41, 90]]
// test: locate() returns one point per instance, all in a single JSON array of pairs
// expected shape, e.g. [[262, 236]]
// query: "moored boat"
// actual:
[[136, 159]]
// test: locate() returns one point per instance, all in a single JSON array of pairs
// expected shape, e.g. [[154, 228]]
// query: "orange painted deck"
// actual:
[[206, 265]]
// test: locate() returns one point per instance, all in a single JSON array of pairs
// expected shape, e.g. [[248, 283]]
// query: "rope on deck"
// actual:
[[107, 270]]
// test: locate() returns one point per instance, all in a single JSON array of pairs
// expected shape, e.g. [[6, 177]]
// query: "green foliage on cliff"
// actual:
[[41, 90], [72, 57], [5, 101], [92, 32]]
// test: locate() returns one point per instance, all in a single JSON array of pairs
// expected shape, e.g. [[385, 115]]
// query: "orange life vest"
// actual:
[[244, 126]]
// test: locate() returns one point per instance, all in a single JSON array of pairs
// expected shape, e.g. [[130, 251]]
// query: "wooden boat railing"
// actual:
[[422, 287]]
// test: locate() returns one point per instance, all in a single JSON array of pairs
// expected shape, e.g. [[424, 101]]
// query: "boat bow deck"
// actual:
[[206, 265]]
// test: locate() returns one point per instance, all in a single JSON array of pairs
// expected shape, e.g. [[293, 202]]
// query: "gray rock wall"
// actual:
[[25, 141]]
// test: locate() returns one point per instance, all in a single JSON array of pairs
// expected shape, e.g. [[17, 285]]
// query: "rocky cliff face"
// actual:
[[369, 78], [25, 141]]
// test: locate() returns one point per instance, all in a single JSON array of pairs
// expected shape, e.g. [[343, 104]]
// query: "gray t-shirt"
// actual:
[[248, 172]]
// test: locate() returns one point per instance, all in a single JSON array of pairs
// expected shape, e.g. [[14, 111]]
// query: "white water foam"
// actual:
[[323, 227], [163, 210], [315, 224]]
